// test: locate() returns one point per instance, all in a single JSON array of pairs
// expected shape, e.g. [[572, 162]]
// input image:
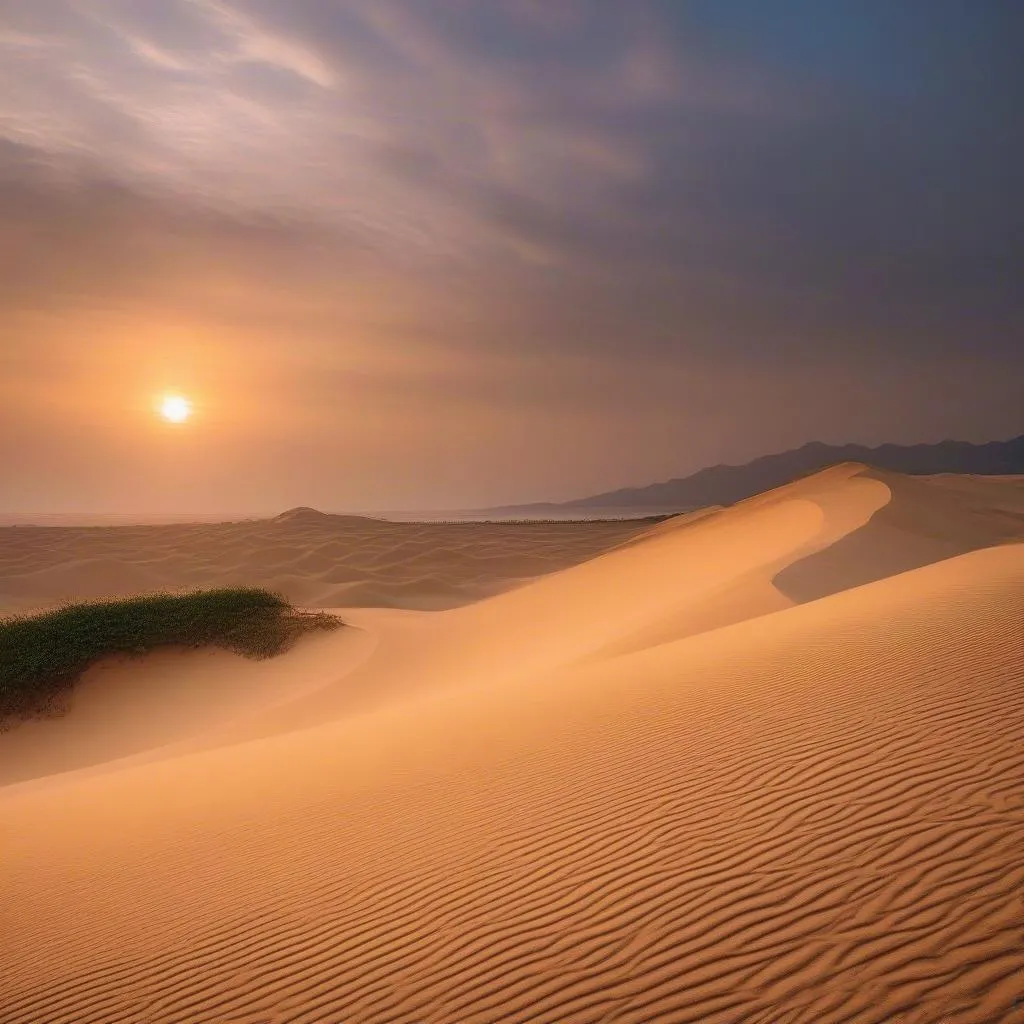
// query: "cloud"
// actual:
[[518, 208]]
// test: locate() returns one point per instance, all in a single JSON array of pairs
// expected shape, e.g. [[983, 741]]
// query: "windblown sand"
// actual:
[[760, 766]]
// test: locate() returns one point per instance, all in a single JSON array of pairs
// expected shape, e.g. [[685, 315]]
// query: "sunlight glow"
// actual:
[[175, 408]]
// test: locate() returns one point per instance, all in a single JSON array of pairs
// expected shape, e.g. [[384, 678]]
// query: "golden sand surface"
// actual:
[[759, 766]]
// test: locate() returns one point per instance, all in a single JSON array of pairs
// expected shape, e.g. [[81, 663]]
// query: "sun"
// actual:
[[175, 408]]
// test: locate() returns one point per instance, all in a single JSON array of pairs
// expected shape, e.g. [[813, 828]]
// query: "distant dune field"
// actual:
[[757, 765], [314, 559]]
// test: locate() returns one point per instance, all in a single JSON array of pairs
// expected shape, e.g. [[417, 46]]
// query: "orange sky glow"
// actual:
[[412, 256]]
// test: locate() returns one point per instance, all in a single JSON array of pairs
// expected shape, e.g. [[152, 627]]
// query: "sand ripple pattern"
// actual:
[[817, 816], [315, 560]]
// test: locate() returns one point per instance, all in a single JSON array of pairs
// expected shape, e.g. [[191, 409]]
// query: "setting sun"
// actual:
[[175, 408]]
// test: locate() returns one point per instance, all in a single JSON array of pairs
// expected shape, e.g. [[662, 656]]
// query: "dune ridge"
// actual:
[[586, 799]]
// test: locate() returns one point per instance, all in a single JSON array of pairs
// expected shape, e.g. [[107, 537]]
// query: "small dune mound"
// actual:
[[303, 515]]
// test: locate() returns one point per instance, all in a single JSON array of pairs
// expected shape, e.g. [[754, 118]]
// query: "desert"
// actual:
[[758, 765], [511, 512]]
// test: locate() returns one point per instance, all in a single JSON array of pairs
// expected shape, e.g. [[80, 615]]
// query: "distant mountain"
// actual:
[[723, 485]]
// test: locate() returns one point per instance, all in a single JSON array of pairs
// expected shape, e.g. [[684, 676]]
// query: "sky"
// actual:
[[423, 254]]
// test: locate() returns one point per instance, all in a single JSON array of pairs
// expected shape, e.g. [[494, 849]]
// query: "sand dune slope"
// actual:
[[677, 579], [171, 700], [811, 814]]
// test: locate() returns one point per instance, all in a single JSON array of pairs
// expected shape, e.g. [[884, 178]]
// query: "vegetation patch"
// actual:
[[41, 656]]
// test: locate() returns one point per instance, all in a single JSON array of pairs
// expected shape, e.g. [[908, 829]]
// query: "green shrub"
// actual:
[[41, 656]]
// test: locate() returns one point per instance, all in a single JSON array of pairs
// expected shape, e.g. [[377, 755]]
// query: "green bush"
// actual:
[[41, 656]]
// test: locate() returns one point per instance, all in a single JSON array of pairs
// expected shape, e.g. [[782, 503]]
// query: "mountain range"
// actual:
[[724, 485]]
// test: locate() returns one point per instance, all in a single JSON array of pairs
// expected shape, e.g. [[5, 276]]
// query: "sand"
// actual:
[[732, 770], [316, 560]]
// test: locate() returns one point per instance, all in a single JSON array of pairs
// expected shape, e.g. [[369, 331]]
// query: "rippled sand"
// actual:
[[760, 766]]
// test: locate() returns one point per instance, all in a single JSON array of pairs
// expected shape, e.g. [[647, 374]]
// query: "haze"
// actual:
[[440, 254]]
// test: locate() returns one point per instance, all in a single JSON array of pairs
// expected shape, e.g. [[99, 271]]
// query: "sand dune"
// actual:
[[314, 559], [920, 524], [732, 770]]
